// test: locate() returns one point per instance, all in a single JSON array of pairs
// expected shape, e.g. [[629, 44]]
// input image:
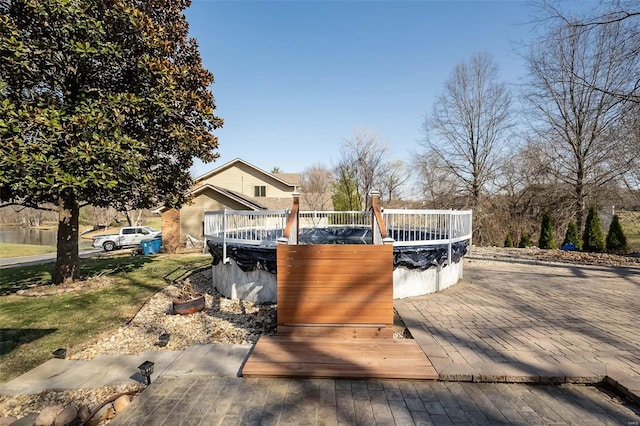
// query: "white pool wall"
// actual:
[[259, 286]]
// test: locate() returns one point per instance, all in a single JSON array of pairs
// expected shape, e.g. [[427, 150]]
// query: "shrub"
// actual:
[[546, 240], [616, 240], [571, 236], [525, 241], [593, 237], [508, 241]]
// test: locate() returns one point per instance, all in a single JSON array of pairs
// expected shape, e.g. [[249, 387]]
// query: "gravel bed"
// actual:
[[545, 256], [222, 321]]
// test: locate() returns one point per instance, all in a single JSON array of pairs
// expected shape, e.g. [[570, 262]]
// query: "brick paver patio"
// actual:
[[522, 321], [235, 401]]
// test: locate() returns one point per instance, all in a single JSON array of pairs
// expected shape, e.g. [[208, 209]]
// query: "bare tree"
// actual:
[[622, 16], [631, 138], [392, 180], [572, 73], [469, 123], [362, 162], [317, 186], [437, 186]]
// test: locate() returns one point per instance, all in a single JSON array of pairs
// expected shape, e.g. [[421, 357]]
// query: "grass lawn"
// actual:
[[630, 222], [33, 327], [17, 250]]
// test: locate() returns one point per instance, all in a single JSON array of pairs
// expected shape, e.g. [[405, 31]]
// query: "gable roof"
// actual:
[[292, 178], [250, 203], [281, 177]]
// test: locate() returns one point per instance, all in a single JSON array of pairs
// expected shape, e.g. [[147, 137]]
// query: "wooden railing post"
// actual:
[[378, 227], [292, 230]]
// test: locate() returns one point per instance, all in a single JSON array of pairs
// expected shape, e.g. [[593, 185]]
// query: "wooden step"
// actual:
[[323, 357]]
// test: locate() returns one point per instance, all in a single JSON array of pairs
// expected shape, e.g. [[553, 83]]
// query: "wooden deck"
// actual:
[[323, 357]]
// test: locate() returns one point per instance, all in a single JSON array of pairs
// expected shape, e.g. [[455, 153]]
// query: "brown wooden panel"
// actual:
[[367, 287], [335, 284], [292, 296], [344, 266], [358, 331], [325, 290], [334, 251], [332, 318], [300, 311]]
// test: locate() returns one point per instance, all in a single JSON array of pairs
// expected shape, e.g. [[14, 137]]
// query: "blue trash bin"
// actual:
[[156, 244], [147, 247]]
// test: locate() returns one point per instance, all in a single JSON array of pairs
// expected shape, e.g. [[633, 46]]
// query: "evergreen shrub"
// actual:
[[572, 236], [546, 240], [593, 237], [616, 240], [508, 241], [525, 241]]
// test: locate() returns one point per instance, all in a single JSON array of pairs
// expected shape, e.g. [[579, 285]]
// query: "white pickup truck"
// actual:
[[129, 236]]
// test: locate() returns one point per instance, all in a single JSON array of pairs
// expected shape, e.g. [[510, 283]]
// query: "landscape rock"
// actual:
[[222, 321], [109, 414], [6, 421], [66, 416], [48, 415], [83, 413], [28, 420], [121, 403]]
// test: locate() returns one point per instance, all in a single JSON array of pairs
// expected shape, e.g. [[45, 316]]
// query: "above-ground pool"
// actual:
[[249, 272]]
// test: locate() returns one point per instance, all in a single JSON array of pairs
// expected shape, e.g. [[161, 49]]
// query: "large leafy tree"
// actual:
[[102, 102]]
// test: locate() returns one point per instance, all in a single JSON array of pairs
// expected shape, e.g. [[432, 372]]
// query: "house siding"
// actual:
[[224, 188], [243, 179], [192, 215]]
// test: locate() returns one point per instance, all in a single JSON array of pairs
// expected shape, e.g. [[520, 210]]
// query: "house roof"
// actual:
[[249, 202], [292, 178], [289, 179]]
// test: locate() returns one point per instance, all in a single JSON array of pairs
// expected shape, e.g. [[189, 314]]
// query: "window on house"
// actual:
[[260, 191]]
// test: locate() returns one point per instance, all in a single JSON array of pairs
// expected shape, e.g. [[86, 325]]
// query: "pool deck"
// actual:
[[532, 322]]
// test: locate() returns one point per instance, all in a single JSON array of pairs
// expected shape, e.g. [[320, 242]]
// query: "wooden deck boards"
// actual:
[[286, 356]]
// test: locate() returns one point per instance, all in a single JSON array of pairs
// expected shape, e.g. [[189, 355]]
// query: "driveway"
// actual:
[[42, 258]]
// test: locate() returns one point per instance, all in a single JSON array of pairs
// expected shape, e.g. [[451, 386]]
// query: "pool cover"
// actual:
[[263, 256]]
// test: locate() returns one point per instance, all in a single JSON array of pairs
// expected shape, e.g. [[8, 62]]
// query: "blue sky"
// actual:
[[295, 79]]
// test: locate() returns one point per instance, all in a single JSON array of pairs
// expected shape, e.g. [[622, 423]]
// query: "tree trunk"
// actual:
[[127, 214], [580, 205], [68, 260]]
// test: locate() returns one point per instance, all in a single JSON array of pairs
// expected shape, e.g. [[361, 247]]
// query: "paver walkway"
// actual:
[[526, 321], [235, 401]]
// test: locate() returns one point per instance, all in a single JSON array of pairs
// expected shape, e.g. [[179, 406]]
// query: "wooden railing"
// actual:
[[292, 228], [378, 228]]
